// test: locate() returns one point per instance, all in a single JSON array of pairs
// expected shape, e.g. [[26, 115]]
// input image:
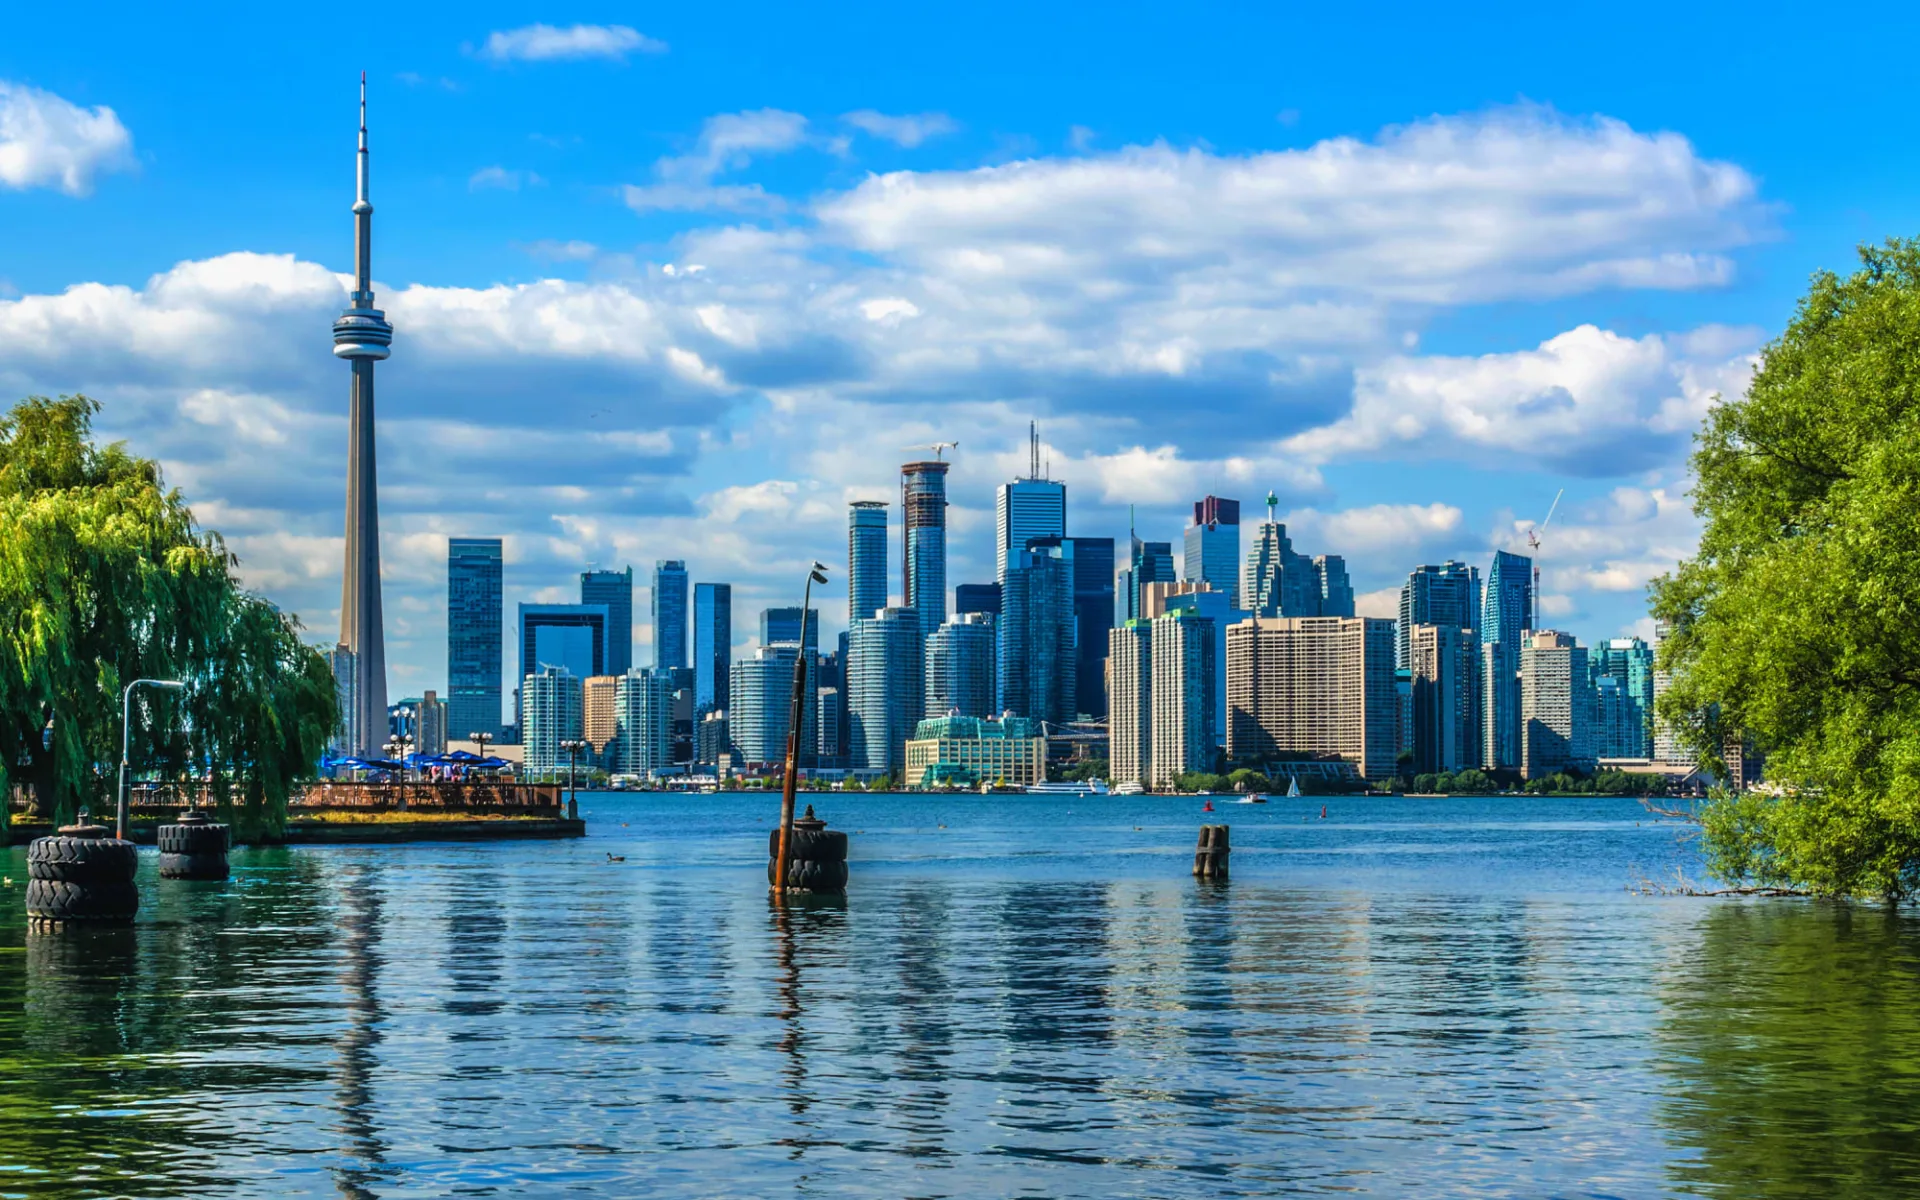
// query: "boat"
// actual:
[[1293, 786], [1091, 787], [1254, 798], [1131, 787]]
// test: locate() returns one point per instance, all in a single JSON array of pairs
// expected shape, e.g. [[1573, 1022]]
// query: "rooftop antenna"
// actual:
[[1533, 544], [1033, 449], [1273, 502]]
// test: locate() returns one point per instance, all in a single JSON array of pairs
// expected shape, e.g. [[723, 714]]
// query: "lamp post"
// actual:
[[126, 746], [573, 747], [815, 574], [481, 738]]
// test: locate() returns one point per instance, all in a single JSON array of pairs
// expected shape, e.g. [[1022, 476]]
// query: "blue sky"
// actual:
[[679, 282]]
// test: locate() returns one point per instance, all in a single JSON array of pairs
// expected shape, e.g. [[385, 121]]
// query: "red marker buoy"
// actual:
[[1323, 812], [1209, 807]]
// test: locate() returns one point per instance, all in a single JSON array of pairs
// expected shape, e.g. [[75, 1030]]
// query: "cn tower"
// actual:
[[361, 336]]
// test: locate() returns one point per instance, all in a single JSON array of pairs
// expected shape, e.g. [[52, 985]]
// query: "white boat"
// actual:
[[1253, 799], [1085, 788], [1293, 786], [1131, 787]]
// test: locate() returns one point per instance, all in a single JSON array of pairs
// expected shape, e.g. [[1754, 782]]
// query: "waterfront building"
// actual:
[[1320, 686], [1092, 618], [784, 625], [643, 708], [969, 751], [1627, 730], [1218, 607], [1556, 706], [762, 711], [431, 735], [1444, 670], [346, 735], [553, 707], [1184, 667], [1036, 671], [573, 636], [1130, 703], [1667, 746], [712, 645], [1213, 545], [362, 336], [669, 613], [960, 667], [981, 598], [1506, 615], [886, 694], [923, 520], [476, 619], [1448, 595], [599, 713], [1026, 509], [866, 558]]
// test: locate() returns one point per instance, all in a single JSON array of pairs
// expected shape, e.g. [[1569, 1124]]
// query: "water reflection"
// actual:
[[356, 1049]]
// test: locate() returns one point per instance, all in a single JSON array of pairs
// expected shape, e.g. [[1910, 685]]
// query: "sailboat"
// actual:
[[1293, 786]]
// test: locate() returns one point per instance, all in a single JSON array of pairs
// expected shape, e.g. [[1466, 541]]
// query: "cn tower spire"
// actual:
[[362, 336]]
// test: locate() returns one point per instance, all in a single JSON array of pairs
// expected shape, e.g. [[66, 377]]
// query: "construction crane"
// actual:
[[939, 449], [1533, 544]]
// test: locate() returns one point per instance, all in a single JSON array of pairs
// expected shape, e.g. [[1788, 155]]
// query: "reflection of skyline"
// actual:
[[361, 911]]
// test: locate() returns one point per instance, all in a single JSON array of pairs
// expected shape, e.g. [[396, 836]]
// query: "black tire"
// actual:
[[81, 860], [192, 866], [193, 839], [813, 845], [811, 876], [54, 900]]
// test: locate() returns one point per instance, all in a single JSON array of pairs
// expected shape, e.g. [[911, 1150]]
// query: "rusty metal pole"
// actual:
[[795, 719]]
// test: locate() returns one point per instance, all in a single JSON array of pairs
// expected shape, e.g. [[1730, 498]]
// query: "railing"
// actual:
[[481, 794]]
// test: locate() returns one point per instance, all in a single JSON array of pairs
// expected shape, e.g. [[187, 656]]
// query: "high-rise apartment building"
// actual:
[[923, 518], [1667, 746], [712, 646], [960, 667], [886, 695], [554, 712], [599, 716], [784, 625], [614, 589], [1322, 686], [1026, 509], [1444, 666], [669, 613], [1448, 595], [1221, 609], [1627, 731], [1556, 706], [762, 708], [866, 558], [1213, 545], [1506, 614], [432, 735], [643, 718], [1037, 671], [1184, 668], [476, 618], [347, 735], [828, 722], [1130, 706]]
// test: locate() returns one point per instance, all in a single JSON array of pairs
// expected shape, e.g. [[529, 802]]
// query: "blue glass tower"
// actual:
[[670, 613], [712, 645], [475, 618], [1505, 614], [1036, 668], [866, 558], [615, 590], [923, 517]]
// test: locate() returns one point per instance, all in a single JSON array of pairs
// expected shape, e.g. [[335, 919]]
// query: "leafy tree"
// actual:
[[105, 578], [1794, 628], [1084, 772]]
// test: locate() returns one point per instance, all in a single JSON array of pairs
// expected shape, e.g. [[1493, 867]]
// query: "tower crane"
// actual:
[[1533, 544], [939, 449]]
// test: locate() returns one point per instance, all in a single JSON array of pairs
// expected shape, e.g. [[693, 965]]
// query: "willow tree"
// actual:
[[1796, 627], [106, 578]]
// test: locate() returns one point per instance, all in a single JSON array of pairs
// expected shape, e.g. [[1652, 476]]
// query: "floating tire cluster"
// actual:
[[1210, 857], [194, 848], [816, 856], [81, 875]]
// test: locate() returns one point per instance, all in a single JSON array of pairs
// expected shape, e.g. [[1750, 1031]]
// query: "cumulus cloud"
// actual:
[[46, 141], [907, 130], [728, 141], [548, 43], [1375, 531]]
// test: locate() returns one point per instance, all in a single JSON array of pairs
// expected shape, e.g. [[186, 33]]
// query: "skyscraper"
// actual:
[[1448, 595], [762, 708], [1092, 618], [432, 738], [573, 636], [475, 617], [712, 645], [1314, 685], [1038, 675], [555, 711], [599, 718], [983, 598], [886, 696], [1629, 731], [669, 613], [362, 336], [615, 590], [1667, 746], [960, 667], [643, 709], [1026, 509], [923, 519], [347, 734], [1223, 610], [1278, 582], [783, 625], [1130, 707], [1330, 581], [1506, 613], [1184, 667], [866, 558], [1444, 661], [1556, 706], [1213, 545]]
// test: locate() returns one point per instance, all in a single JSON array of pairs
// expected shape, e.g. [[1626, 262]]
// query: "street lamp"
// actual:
[[815, 574], [573, 747], [481, 738], [126, 745]]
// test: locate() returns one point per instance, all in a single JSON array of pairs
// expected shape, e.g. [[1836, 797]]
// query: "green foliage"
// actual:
[[1201, 781], [1794, 629], [105, 578], [1085, 772]]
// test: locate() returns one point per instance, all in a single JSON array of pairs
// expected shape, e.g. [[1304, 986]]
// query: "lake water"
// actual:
[[1018, 997]]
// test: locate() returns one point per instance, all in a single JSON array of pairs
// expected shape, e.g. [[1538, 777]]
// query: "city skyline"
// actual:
[[649, 287]]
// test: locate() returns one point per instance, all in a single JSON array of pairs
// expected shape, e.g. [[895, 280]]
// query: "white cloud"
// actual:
[[498, 178], [907, 130], [727, 142], [548, 43], [1373, 531], [46, 141]]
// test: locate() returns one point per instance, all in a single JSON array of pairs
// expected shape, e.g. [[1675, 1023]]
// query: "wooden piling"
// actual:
[[1210, 857]]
